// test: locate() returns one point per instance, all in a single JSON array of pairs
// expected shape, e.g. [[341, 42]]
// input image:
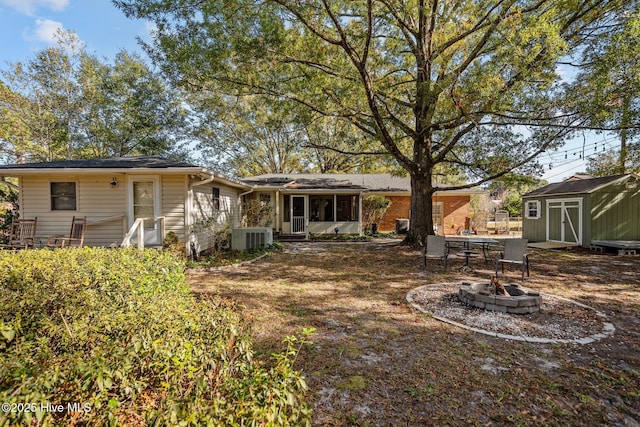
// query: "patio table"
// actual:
[[484, 242]]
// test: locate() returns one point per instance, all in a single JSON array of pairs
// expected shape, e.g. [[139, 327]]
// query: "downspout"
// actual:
[[189, 235], [277, 212], [203, 182], [360, 230], [240, 196]]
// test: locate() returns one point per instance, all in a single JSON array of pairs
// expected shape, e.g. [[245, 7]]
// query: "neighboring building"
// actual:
[[578, 211], [322, 203], [113, 193]]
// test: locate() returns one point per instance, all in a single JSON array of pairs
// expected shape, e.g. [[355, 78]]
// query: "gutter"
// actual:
[[203, 182]]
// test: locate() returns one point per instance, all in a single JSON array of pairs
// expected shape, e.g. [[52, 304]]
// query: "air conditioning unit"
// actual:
[[251, 238]]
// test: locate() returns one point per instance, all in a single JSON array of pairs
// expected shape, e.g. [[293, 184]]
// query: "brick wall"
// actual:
[[400, 208], [456, 211]]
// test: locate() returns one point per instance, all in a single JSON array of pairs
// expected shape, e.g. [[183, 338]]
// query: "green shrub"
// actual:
[[119, 334]]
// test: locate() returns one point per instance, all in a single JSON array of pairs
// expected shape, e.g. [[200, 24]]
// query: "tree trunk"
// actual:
[[421, 221]]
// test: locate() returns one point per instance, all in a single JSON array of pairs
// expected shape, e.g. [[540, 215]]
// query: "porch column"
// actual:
[[277, 225]]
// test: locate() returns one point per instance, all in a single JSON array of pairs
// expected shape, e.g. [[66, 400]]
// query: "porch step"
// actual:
[[290, 237]]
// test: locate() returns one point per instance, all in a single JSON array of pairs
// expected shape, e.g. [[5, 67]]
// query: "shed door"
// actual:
[[564, 221]]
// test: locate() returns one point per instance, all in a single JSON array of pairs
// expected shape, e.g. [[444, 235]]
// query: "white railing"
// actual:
[[297, 224], [137, 229], [138, 226]]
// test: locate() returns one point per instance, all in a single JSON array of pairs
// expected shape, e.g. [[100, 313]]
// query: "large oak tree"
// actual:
[[438, 83]]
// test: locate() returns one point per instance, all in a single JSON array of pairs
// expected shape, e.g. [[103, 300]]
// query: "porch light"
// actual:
[[114, 182]]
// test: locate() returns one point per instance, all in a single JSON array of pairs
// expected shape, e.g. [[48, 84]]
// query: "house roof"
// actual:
[[576, 186], [373, 183], [378, 182], [128, 164]]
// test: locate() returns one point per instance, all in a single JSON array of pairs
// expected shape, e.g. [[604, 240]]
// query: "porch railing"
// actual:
[[297, 224], [137, 229]]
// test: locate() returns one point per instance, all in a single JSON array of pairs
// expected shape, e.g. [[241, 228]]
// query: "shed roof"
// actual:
[[577, 186]]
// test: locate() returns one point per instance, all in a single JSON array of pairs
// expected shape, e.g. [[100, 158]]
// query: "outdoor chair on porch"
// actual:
[[515, 253], [76, 235], [436, 249], [22, 235]]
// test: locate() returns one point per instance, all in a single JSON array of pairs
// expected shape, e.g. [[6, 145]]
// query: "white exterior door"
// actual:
[[298, 217], [144, 202], [564, 221]]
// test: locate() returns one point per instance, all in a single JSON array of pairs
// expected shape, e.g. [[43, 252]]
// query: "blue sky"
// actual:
[[27, 26]]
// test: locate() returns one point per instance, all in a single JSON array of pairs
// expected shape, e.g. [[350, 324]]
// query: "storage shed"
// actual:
[[579, 211]]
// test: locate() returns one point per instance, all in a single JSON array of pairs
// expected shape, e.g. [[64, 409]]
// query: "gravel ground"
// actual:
[[559, 318], [378, 361]]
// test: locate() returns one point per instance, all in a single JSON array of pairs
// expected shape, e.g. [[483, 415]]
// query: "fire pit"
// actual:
[[516, 299]]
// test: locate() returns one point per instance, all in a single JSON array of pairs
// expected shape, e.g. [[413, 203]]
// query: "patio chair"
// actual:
[[22, 235], [515, 253], [76, 235], [436, 249]]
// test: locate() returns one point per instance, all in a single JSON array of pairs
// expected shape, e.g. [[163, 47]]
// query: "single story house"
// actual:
[[123, 196], [579, 211], [120, 195], [322, 203]]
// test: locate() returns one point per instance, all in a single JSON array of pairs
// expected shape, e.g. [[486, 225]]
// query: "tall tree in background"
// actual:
[[247, 136], [254, 135], [64, 103], [49, 101], [18, 135], [466, 83], [607, 91], [128, 109]]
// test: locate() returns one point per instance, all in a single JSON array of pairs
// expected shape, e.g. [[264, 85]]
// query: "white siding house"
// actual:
[[159, 195]]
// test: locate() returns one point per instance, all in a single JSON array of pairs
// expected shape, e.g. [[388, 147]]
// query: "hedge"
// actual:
[[115, 337]]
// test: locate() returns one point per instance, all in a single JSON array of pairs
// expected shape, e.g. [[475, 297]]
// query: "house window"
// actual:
[[347, 208], [532, 209], [63, 196], [287, 208], [216, 199], [321, 208], [437, 214]]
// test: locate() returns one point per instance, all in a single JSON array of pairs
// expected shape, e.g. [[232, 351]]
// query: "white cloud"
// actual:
[[46, 30], [29, 7]]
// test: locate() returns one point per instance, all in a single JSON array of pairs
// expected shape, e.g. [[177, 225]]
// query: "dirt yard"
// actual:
[[377, 361]]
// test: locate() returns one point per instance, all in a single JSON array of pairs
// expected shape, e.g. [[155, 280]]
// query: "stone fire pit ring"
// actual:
[[520, 300]]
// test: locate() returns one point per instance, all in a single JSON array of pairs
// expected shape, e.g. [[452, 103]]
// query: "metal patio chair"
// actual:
[[436, 249], [515, 253]]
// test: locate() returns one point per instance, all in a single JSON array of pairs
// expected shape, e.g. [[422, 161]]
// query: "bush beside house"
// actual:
[[118, 334]]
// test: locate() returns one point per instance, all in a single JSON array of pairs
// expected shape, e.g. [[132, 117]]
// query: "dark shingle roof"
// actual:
[[380, 182], [579, 186], [132, 162]]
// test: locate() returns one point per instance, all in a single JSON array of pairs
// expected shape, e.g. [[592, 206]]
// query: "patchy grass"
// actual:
[[226, 258], [376, 361]]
